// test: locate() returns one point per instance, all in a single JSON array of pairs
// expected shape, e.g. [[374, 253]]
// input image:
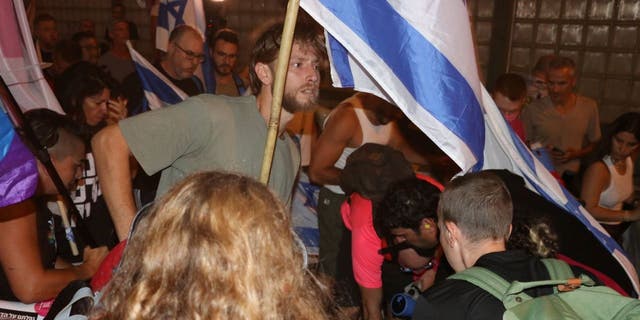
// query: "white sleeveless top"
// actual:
[[370, 134], [620, 186]]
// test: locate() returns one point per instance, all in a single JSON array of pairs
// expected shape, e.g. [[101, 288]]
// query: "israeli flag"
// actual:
[[158, 90], [420, 56], [172, 13]]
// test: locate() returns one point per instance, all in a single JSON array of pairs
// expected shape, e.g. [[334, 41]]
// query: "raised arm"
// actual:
[[112, 154], [336, 135], [21, 261]]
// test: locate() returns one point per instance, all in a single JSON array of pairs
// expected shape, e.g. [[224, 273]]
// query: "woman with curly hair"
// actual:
[[217, 246]]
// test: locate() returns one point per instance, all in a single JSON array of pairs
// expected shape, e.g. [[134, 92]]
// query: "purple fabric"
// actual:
[[18, 173]]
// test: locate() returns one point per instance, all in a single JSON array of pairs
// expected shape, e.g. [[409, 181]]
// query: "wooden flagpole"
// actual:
[[278, 87]]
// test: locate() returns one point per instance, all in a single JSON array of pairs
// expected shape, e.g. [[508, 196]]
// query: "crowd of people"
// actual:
[[175, 187]]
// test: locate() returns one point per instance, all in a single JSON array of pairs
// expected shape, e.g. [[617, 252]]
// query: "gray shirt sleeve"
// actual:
[[158, 138]]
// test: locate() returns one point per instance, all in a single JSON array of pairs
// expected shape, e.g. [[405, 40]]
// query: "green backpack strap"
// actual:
[[559, 272], [485, 280], [558, 269]]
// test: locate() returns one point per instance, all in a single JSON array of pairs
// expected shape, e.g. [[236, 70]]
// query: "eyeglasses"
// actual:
[[192, 56]]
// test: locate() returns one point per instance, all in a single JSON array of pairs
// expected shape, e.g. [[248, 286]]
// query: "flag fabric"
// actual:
[[172, 13], [18, 170], [422, 58], [158, 90], [19, 65]]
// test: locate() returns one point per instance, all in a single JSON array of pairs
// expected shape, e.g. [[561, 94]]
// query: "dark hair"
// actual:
[[480, 205], [46, 126], [627, 122], [372, 169], [511, 86], [405, 204], [267, 46], [43, 17], [226, 35], [83, 80], [81, 35], [68, 50]]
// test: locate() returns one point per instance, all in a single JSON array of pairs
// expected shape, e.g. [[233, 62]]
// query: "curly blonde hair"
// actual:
[[216, 246]]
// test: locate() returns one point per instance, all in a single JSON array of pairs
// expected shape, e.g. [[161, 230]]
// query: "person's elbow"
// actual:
[[109, 142], [313, 174], [316, 174], [30, 291], [100, 140]]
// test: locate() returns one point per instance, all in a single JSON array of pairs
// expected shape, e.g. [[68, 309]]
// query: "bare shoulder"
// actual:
[[342, 114], [597, 171]]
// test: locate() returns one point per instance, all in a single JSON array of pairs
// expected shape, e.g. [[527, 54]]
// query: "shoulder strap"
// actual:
[[558, 269], [485, 280], [198, 84], [239, 83]]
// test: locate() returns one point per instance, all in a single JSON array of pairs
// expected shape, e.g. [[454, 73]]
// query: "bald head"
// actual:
[[183, 30], [184, 52]]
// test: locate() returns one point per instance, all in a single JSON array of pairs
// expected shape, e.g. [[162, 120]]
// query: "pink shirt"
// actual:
[[357, 215]]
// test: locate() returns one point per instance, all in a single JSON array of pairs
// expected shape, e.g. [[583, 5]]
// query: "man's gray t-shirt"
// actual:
[[209, 132], [575, 129]]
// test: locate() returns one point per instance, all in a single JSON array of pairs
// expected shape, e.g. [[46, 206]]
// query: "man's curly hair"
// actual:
[[405, 204]]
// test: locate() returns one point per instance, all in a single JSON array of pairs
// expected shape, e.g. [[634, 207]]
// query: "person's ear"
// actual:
[[428, 225], [264, 74], [451, 233]]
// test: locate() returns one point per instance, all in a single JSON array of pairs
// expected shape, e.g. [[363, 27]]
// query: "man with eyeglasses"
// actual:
[[224, 51], [215, 132], [183, 57]]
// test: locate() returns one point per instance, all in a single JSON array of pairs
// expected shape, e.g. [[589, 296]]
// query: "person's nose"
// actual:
[[313, 74], [625, 149]]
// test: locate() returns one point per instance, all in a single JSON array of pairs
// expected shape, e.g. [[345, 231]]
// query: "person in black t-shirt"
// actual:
[[474, 218], [183, 57]]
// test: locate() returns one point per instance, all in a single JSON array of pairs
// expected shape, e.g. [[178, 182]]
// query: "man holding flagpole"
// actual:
[[209, 132]]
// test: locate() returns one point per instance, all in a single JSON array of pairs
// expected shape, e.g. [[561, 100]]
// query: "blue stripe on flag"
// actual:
[[439, 88], [174, 8], [150, 82], [340, 60]]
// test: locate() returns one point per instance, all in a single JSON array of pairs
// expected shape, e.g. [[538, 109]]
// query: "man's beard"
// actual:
[[292, 105], [224, 70]]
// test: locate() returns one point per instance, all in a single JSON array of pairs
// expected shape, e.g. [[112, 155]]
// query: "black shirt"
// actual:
[[459, 299], [132, 89]]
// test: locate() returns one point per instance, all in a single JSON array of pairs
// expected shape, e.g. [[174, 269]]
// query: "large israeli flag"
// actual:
[[158, 90], [420, 55]]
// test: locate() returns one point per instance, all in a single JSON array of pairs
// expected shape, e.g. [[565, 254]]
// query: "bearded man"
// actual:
[[214, 132]]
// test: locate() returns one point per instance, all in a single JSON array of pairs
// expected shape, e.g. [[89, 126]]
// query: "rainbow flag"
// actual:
[[18, 171]]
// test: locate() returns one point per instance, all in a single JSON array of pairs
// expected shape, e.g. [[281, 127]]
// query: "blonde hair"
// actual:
[[216, 246]]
